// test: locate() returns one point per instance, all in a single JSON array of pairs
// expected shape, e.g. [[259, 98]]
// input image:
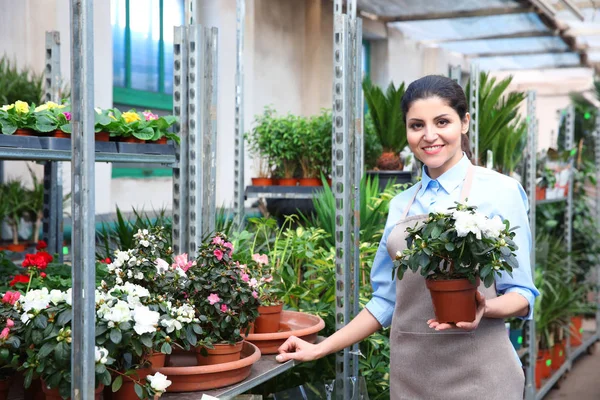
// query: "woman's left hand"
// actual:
[[467, 326]]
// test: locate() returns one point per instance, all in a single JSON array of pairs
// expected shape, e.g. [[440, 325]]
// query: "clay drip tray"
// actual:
[[187, 376], [293, 323]]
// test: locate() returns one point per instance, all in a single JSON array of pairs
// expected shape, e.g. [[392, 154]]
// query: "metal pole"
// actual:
[[52, 209], [83, 210], [597, 156], [474, 112], [531, 160], [569, 144], [190, 12], [455, 73], [238, 171], [180, 172], [211, 103]]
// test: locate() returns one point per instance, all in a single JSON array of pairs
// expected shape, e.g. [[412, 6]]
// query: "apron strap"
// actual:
[[464, 193]]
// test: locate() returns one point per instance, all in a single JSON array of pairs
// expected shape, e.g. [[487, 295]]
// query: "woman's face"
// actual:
[[434, 130]]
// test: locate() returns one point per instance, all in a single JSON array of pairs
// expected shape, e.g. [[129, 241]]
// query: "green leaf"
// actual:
[[64, 318], [139, 391], [166, 348], [46, 349], [449, 246], [115, 336], [146, 341], [117, 383], [488, 280], [486, 270], [62, 352], [40, 321]]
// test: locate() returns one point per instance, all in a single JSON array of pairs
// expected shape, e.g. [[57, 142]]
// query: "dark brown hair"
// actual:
[[444, 88]]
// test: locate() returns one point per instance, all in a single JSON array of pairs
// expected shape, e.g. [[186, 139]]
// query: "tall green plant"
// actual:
[[497, 110], [18, 84], [388, 123], [509, 147]]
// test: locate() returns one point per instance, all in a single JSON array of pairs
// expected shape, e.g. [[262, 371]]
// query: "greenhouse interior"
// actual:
[[229, 177]]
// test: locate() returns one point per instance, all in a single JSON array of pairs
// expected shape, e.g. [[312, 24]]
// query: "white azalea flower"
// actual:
[[118, 313], [69, 296], [56, 296], [466, 222], [161, 266], [139, 276], [145, 243], [146, 320], [171, 325], [37, 299], [101, 355], [158, 382], [493, 227]]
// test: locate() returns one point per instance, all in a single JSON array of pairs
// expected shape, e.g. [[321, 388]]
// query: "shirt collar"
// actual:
[[450, 179]]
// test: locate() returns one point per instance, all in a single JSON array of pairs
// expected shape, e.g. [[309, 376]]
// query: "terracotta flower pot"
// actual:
[[102, 136], [188, 377], [156, 359], [576, 331], [288, 181], [302, 325], [329, 181], [4, 388], [262, 181], [453, 299], [127, 390], [52, 394], [540, 193], [546, 367], [162, 140], [24, 132], [268, 319], [539, 365], [221, 353], [310, 182], [17, 248], [61, 134]]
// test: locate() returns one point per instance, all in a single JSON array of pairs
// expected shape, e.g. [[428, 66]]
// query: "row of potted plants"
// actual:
[[52, 119]]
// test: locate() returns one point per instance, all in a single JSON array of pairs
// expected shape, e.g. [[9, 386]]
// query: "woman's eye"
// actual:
[[443, 122], [416, 126]]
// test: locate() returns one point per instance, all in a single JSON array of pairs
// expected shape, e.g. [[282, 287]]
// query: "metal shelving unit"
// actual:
[[283, 192], [590, 338]]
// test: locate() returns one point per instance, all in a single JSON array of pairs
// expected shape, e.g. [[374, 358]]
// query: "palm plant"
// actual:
[[510, 145], [18, 84], [17, 202], [35, 206], [497, 110], [388, 123]]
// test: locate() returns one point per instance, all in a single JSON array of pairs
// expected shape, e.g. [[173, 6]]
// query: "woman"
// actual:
[[431, 360]]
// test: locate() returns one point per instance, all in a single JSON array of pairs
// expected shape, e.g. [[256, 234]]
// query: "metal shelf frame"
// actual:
[[531, 393]]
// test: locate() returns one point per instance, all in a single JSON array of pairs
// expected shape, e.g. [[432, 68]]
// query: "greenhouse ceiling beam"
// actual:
[[484, 12], [518, 35], [574, 8], [557, 66], [518, 53]]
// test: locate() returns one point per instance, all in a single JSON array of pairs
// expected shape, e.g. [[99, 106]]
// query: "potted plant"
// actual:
[[14, 195], [315, 154], [21, 119], [260, 140], [454, 250], [10, 341], [57, 115], [389, 126], [220, 290], [160, 125], [286, 139]]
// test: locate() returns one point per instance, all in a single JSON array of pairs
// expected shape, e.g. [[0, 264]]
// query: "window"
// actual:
[[143, 51]]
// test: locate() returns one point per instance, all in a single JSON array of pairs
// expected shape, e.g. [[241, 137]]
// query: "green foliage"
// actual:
[[21, 115], [386, 114], [217, 289], [509, 148], [315, 151], [498, 111], [441, 248], [18, 84], [372, 145], [141, 125]]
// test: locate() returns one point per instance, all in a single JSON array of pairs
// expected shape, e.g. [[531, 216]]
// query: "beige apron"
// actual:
[[455, 364]]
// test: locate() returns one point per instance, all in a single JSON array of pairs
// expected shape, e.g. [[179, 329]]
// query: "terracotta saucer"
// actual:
[[293, 323], [186, 376]]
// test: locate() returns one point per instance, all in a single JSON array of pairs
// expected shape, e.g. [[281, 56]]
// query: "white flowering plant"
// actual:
[[459, 243], [45, 318]]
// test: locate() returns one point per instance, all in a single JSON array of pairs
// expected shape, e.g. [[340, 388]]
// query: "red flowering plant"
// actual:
[[34, 264], [10, 340], [220, 290]]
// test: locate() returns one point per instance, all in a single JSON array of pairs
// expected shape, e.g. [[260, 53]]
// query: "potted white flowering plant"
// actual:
[[454, 250]]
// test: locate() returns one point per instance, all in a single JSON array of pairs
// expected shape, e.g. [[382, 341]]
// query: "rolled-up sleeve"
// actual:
[[382, 304], [515, 210]]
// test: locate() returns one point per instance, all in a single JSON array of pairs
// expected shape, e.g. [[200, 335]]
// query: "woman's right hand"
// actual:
[[298, 349]]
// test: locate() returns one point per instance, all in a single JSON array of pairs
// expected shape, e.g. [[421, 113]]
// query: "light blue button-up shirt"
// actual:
[[493, 194]]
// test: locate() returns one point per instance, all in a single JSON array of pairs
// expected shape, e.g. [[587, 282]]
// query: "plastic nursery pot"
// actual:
[[288, 181], [102, 136], [220, 354], [310, 182], [162, 140], [52, 394], [262, 181], [61, 134], [24, 132], [540, 193], [127, 390], [453, 299], [156, 359], [576, 331], [516, 338], [558, 355], [539, 363], [546, 366], [17, 248], [268, 319]]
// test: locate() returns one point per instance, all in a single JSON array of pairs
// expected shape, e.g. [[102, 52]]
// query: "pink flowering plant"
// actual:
[[141, 125], [10, 337], [220, 289]]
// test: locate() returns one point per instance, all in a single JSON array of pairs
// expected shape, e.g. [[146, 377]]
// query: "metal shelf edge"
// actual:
[[549, 201], [584, 346], [552, 380], [64, 155]]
